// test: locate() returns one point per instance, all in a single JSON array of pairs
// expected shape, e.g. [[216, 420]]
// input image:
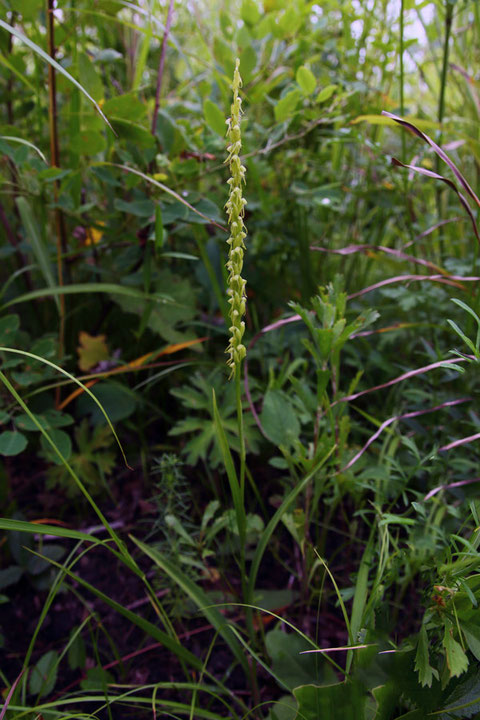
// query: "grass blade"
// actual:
[[201, 600], [38, 50], [33, 235], [79, 288], [270, 528]]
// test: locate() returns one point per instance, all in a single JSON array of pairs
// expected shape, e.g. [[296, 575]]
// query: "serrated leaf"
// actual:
[[306, 79], [12, 443], [214, 117], [91, 351], [422, 660]]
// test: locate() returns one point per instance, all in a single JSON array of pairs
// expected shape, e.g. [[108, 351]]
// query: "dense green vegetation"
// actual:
[[187, 533]]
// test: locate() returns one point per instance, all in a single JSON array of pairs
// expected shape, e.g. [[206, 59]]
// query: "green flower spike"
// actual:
[[235, 210]]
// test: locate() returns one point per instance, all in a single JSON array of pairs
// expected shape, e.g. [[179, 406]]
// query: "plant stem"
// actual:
[[161, 66], [55, 162], [402, 76], [443, 79], [441, 99]]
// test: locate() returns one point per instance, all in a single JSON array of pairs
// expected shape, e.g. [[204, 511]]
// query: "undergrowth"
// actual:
[[239, 472]]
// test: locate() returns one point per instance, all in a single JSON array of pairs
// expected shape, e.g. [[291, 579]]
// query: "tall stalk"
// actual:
[[235, 207], [55, 162]]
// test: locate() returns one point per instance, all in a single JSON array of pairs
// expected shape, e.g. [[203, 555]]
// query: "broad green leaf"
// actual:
[[214, 117], [37, 565], [279, 418], [248, 63], [125, 107], [306, 79], [287, 105], [44, 675], [289, 665], [90, 77], [457, 661], [117, 400], [345, 700], [140, 208], [133, 133], [10, 576], [250, 13], [76, 651], [62, 442], [12, 443], [9, 325], [326, 93], [49, 418], [283, 709]]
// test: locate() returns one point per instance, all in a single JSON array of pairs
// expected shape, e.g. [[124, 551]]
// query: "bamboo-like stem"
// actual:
[[55, 162], [161, 66]]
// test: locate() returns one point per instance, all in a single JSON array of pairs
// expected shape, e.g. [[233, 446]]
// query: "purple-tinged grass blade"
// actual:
[[395, 418], [351, 249], [450, 183], [461, 441], [9, 696], [441, 153], [471, 84], [404, 376], [453, 280], [432, 229], [460, 483], [387, 328]]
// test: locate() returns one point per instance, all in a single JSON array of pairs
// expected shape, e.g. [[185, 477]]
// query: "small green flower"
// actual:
[[235, 210]]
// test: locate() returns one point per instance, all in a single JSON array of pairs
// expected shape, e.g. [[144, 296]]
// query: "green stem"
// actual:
[[246, 590], [402, 77], [441, 99]]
